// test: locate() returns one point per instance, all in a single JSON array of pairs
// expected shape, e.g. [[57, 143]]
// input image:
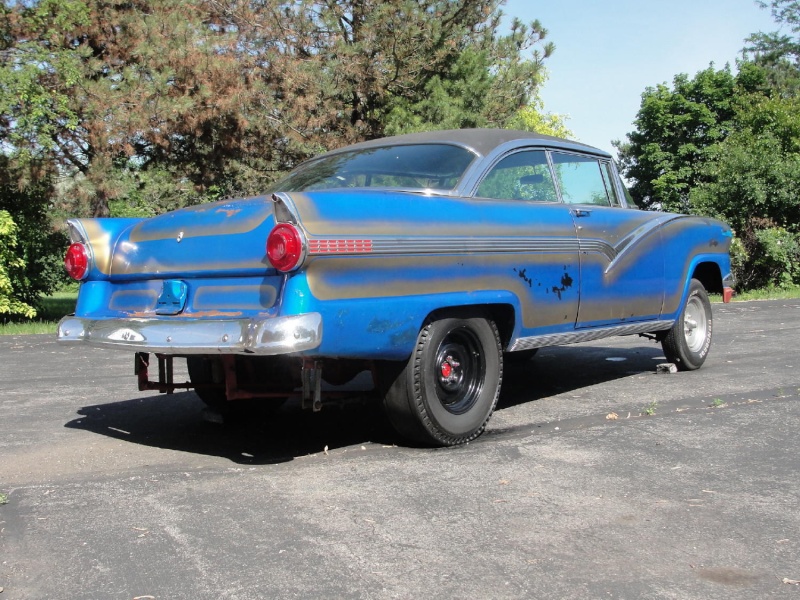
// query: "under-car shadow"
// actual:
[[180, 422], [177, 422], [561, 369]]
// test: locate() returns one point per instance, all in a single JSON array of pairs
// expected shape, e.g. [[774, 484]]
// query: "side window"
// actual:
[[608, 179], [581, 179], [520, 176], [629, 201]]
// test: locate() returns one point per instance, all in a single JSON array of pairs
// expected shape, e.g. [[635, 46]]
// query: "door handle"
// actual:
[[581, 212]]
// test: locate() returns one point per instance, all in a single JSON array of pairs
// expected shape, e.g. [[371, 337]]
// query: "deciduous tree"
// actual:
[[675, 132], [778, 52]]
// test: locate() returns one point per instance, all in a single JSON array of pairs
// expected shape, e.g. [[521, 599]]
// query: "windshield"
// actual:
[[415, 167]]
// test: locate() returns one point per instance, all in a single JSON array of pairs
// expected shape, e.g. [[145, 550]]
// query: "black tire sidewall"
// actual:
[[442, 424], [200, 373]]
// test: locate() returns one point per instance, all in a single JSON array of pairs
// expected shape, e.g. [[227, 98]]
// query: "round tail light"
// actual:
[[77, 261], [285, 247]]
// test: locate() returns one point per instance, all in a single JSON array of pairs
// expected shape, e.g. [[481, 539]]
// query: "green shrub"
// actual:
[[778, 256], [9, 260]]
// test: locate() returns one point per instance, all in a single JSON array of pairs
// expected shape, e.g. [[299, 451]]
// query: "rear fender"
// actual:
[[388, 330], [100, 236]]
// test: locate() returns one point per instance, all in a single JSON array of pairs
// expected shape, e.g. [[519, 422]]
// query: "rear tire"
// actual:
[[449, 387], [208, 370], [688, 342]]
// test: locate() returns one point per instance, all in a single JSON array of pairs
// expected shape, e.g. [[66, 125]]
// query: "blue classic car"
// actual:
[[425, 259]]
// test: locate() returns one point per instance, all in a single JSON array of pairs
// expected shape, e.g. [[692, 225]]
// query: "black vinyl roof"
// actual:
[[482, 141]]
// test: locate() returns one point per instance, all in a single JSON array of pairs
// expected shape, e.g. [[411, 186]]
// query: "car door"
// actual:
[[621, 250], [522, 186]]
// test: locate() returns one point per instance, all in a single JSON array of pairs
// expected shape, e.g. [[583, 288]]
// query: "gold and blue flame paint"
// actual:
[[411, 254]]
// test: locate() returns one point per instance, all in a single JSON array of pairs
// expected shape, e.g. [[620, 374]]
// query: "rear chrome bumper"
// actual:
[[267, 336]]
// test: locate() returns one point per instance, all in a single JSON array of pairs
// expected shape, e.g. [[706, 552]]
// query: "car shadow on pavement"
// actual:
[[561, 369], [181, 422]]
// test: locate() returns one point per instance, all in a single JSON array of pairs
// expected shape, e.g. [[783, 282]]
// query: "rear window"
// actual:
[[415, 167]]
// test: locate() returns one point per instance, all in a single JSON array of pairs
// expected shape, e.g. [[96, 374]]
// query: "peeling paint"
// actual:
[[382, 326], [523, 275], [194, 315], [403, 338], [566, 283], [228, 212]]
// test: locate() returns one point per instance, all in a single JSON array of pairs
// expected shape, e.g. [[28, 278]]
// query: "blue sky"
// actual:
[[607, 53]]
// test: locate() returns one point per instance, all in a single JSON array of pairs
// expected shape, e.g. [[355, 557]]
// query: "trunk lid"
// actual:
[[200, 241]]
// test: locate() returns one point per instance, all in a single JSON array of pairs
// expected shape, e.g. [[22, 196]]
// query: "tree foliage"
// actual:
[[753, 183], [9, 260], [777, 52], [212, 97], [728, 146], [535, 118], [26, 194], [676, 131]]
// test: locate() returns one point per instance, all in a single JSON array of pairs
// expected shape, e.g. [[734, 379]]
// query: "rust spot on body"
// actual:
[[566, 282], [523, 275], [201, 314]]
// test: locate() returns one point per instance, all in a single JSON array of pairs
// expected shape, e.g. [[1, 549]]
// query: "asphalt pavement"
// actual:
[[597, 478]]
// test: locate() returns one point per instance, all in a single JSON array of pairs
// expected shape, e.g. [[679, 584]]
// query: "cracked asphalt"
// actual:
[[597, 478]]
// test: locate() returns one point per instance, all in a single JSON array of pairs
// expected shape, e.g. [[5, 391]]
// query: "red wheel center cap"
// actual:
[[447, 369]]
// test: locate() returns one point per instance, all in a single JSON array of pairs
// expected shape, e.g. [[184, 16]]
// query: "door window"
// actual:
[[580, 179], [520, 176]]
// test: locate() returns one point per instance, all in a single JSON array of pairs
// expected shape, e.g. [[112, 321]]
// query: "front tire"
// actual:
[[449, 387], [688, 342]]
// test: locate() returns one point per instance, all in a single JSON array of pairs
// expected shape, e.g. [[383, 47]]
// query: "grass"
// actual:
[[770, 293], [3, 499], [650, 409], [50, 312]]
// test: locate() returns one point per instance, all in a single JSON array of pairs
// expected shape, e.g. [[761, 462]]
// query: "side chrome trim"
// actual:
[[265, 336], [587, 335], [77, 232], [325, 246], [284, 209], [635, 237]]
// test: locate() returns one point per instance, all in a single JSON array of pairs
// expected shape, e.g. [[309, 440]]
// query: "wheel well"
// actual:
[[709, 275], [502, 314]]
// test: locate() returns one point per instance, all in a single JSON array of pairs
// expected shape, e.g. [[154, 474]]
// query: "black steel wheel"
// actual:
[[449, 387], [688, 342]]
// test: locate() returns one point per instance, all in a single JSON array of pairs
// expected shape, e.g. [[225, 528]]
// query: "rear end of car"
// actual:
[[191, 282]]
